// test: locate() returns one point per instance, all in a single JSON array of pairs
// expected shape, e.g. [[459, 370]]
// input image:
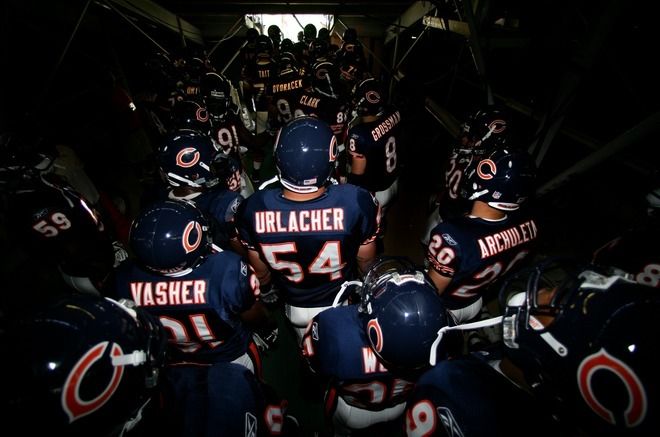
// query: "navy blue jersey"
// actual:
[[61, 225], [260, 75], [379, 142], [219, 205], [201, 309], [337, 348], [474, 252], [468, 397], [311, 247], [225, 134], [285, 92], [222, 399], [326, 108], [451, 204]]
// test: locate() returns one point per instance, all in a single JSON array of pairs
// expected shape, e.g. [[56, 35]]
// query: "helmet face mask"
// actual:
[[216, 91], [305, 154]]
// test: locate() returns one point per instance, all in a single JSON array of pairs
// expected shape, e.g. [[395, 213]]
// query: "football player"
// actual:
[[483, 131], [308, 236], [371, 353], [208, 302], [192, 168], [85, 364], [258, 77], [230, 136], [578, 344], [466, 254], [375, 144], [55, 224]]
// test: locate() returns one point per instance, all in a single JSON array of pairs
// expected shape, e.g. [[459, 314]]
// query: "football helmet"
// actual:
[[484, 131], [275, 34], [502, 179], [586, 342], [228, 170], [350, 35], [401, 312], [325, 78], [368, 98], [318, 48], [23, 157], [170, 237], [185, 159], [286, 45], [188, 114], [288, 65], [263, 47], [87, 365], [309, 32], [216, 91], [305, 154]]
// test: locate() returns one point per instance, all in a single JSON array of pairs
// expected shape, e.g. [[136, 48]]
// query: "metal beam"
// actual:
[[412, 15], [162, 17], [648, 126], [444, 117]]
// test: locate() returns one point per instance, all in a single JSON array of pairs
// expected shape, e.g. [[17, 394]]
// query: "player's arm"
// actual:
[[358, 161], [441, 282], [442, 258], [366, 255]]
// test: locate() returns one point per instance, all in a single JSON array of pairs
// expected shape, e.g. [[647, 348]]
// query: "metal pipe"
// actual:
[[136, 26], [233, 57], [63, 54], [405, 55], [229, 32], [646, 127]]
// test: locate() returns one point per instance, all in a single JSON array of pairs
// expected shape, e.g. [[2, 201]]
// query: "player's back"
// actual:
[[200, 309], [337, 348], [285, 92], [467, 396], [381, 144], [475, 252], [310, 246], [327, 108]]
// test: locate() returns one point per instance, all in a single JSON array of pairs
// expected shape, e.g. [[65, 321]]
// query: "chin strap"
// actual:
[[464, 327]]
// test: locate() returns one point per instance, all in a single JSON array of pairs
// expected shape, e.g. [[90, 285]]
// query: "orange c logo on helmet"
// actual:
[[637, 401], [372, 96], [187, 245], [72, 403], [181, 157], [486, 169], [374, 326], [202, 115], [497, 126], [334, 149]]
